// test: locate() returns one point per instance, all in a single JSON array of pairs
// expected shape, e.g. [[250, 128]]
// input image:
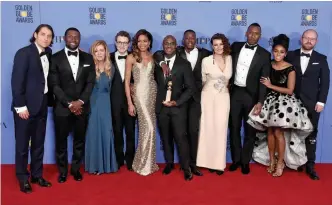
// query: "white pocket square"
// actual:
[[315, 63], [86, 65]]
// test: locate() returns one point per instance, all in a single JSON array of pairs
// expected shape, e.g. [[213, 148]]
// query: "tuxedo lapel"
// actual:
[[254, 60], [311, 60], [36, 56], [80, 64], [236, 57], [198, 59], [183, 53], [66, 64]]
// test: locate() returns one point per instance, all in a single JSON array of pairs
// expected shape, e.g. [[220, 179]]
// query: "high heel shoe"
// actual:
[[279, 170], [271, 168]]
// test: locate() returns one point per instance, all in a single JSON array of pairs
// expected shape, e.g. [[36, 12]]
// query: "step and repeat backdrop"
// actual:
[[102, 20]]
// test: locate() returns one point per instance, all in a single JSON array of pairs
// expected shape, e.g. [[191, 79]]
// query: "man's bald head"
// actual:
[[310, 32], [169, 37]]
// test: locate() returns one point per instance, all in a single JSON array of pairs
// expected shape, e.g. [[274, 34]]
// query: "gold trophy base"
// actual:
[[168, 96]]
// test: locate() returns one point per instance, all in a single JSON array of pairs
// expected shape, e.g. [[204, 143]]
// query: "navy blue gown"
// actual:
[[99, 145]]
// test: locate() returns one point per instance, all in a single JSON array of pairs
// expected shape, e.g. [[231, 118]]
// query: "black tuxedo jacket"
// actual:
[[28, 81], [65, 88], [197, 71], [260, 66], [312, 86], [118, 95], [183, 83]]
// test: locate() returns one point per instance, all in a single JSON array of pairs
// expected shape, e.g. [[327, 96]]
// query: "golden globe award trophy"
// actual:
[[169, 91]]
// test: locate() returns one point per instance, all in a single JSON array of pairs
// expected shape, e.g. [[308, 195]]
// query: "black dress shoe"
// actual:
[[130, 168], [188, 176], [40, 181], [77, 176], [245, 169], [62, 178], [234, 167], [220, 172], [212, 170], [312, 174], [196, 171], [168, 169], [25, 187]]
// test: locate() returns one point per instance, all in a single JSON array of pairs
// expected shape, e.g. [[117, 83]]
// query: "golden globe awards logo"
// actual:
[[239, 17], [309, 17], [59, 39], [24, 13], [271, 42], [97, 16], [168, 17]]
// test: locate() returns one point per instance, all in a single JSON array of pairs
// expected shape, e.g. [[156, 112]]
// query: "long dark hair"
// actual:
[[33, 39], [136, 52]]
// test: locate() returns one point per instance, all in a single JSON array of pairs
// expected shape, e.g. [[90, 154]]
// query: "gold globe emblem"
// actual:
[[168, 17], [24, 13], [238, 17], [97, 15], [308, 17]]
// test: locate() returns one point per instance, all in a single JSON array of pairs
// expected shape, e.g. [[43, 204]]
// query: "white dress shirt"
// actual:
[[304, 65], [46, 65], [243, 65], [121, 64], [192, 57], [73, 61]]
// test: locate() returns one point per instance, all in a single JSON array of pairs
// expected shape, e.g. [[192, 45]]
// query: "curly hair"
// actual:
[[136, 51], [108, 62], [225, 42], [281, 40]]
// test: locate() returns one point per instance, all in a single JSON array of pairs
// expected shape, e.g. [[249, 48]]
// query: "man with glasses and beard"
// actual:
[[312, 87], [72, 77]]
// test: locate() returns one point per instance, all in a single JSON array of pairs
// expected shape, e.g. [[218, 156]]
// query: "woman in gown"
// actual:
[[216, 72], [99, 146], [283, 116], [140, 64]]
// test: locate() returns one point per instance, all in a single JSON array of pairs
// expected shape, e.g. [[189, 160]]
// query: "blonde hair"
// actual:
[[107, 63]]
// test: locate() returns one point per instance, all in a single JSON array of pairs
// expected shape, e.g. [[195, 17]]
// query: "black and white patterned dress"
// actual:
[[285, 111]]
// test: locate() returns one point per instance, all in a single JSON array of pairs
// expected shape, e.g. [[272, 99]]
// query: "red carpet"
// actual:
[[125, 187]]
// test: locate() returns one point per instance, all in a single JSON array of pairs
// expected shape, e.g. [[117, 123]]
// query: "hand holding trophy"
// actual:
[[168, 102]]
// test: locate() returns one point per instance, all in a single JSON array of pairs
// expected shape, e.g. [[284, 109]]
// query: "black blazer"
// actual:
[[65, 88], [260, 66], [28, 81], [183, 83], [118, 94], [313, 85], [197, 71]]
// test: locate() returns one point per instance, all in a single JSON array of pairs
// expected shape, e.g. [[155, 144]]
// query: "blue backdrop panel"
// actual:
[[102, 20]]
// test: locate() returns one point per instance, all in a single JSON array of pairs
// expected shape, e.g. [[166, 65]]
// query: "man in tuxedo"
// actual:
[[194, 55], [250, 63], [312, 87], [172, 114], [121, 117], [30, 98], [72, 77]]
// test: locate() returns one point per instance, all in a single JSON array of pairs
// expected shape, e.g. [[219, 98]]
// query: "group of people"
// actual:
[[192, 94]]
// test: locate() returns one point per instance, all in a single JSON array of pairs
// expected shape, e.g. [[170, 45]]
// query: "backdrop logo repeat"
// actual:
[[97, 16], [168, 17], [58, 39], [203, 40], [24, 13], [271, 42], [309, 17], [239, 17]]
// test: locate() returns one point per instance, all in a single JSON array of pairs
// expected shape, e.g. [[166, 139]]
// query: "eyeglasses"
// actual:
[[309, 39], [169, 44], [122, 43]]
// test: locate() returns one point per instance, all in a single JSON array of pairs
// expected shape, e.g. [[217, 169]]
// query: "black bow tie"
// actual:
[[252, 47], [72, 53], [122, 57], [305, 54], [42, 53]]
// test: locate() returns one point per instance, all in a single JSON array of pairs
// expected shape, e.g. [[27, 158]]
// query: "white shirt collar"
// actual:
[[171, 59], [117, 53], [310, 52], [195, 50], [67, 49]]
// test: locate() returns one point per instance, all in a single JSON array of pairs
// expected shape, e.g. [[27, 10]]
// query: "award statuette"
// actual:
[[169, 91]]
